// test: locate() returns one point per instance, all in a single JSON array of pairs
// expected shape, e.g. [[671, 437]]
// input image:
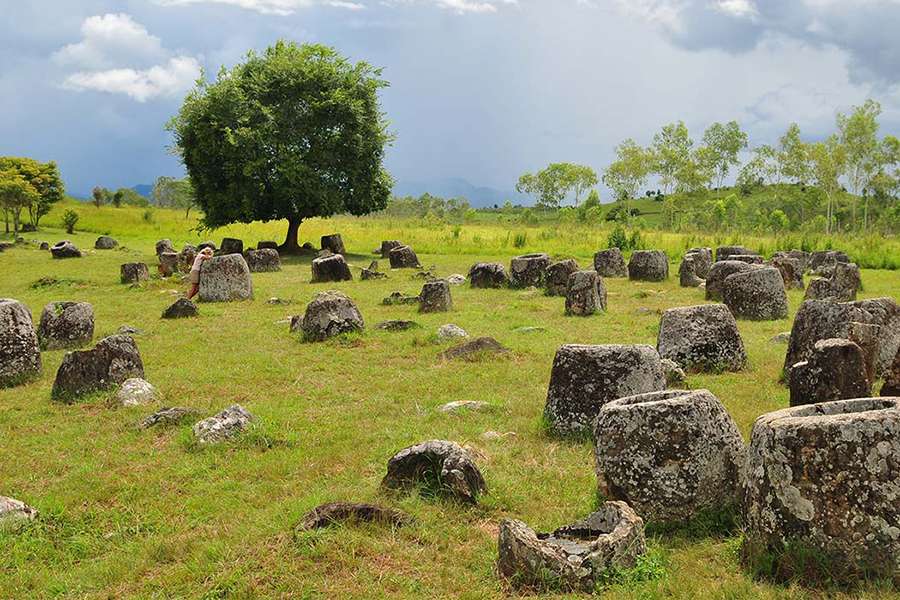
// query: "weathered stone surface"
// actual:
[[791, 270], [610, 263], [836, 370], [703, 260], [584, 378], [399, 298], [267, 245], [388, 245], [477, 347], [718, 272], [136, 392], [113, 360], [435, 297], [556, 278], [45, 246], [168, 263], [891, 386], [372, 272], [675, 375], [186, 258], [842, 286], [670, 455], [687, 272], [134, 273], [823, 261], [231, 246], [824, 477], [104, 242], [265, 260], [164, 245], [444, 467], [168, 416], [403, 257], [583, 293], [66, 325], [528, 270], [488, 275], [456, 279], [648, 265], [328, 268], [14, 513], [181, 309], [725, 252], [333, 242], [329, 314], [701, 338], [222, 426], [20, 355], [65, 249], [574, 557], [461, 405], [397, 325], [799, 255], [225, 278], [873, 324], [750, 259], [451, 332], [757, 294], [781, 338], [335, 513]]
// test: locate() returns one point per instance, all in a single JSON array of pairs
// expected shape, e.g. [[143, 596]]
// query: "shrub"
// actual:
[[148, 215], [520, 239], [70, 219]]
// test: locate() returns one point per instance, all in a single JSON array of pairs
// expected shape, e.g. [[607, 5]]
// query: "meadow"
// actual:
[[147, 514]]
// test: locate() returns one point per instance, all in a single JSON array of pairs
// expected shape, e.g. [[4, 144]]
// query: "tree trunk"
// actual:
[[6, 218], [290, 245]]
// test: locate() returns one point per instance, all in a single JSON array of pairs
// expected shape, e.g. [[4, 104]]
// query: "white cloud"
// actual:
[[109, 37], [737, 8], [288, 7], [177, 75]]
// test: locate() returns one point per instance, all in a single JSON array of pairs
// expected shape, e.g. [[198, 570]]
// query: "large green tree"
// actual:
[[294, 133], [552, 185], [829, 164], [671, 152], [793, 156], [723, 143], [858, 133], [628, 173], [16, 194], [44, 178]]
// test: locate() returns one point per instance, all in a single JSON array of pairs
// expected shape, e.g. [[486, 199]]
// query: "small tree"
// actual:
[[552, 185], [793, 156], [829, 161], [69, 219], [724, 143], [294, 133], [43, 177], [16, 194], [628, 173], [100, 196]]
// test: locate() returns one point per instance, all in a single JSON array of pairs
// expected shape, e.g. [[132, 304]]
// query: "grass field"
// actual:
[[138, 514]]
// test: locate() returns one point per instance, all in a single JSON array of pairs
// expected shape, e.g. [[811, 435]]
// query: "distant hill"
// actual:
[[456, 187]]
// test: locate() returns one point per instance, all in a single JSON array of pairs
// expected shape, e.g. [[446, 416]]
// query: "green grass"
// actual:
[[144, 514]]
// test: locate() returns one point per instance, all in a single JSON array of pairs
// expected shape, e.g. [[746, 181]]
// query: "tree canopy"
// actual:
[[629, 171], [44, 180], [294, 133], [553, 184]]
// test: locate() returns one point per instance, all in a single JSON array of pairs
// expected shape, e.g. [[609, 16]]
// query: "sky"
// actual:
[[480, 89]]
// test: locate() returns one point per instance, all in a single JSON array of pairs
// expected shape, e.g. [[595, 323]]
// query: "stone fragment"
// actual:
[[334, 243], [396, 325], [267, 245], [648, 265], [757, 294], [329, 314], [528, 270], [750, 259], [675, 375], [610, 263], [703, 260], [471, 350], [791, 270], [687, 274], [15, 513], [65, 249], [841, 286], [336, 513], [440, 467], [222, 426], [891, 386], [113, 360], [104, 242], [584, 378], [715, 279], [168, 263], [66, 325], [781, 338], [231, 246], [456, 279], [488, 275], [20, 354], [435, 297], [164, 245], [556, 278], [372, 272], [403, 257], [836, 370], [167, 417], [45, 246], [451, 332], [225, 278], [330, 268], [799, 255], [136, 392], [181, 309], [823, 478], [399, 298], [822, 262], [725, 252], [701, 338], [265, 260], [583, 294], [461, 405], [387, 246], [186, 258], [134, 273], [671, 455], [575, 557]]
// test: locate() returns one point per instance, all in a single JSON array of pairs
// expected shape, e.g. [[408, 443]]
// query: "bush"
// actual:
[[148, 215], [520, 239], [70, 218]]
